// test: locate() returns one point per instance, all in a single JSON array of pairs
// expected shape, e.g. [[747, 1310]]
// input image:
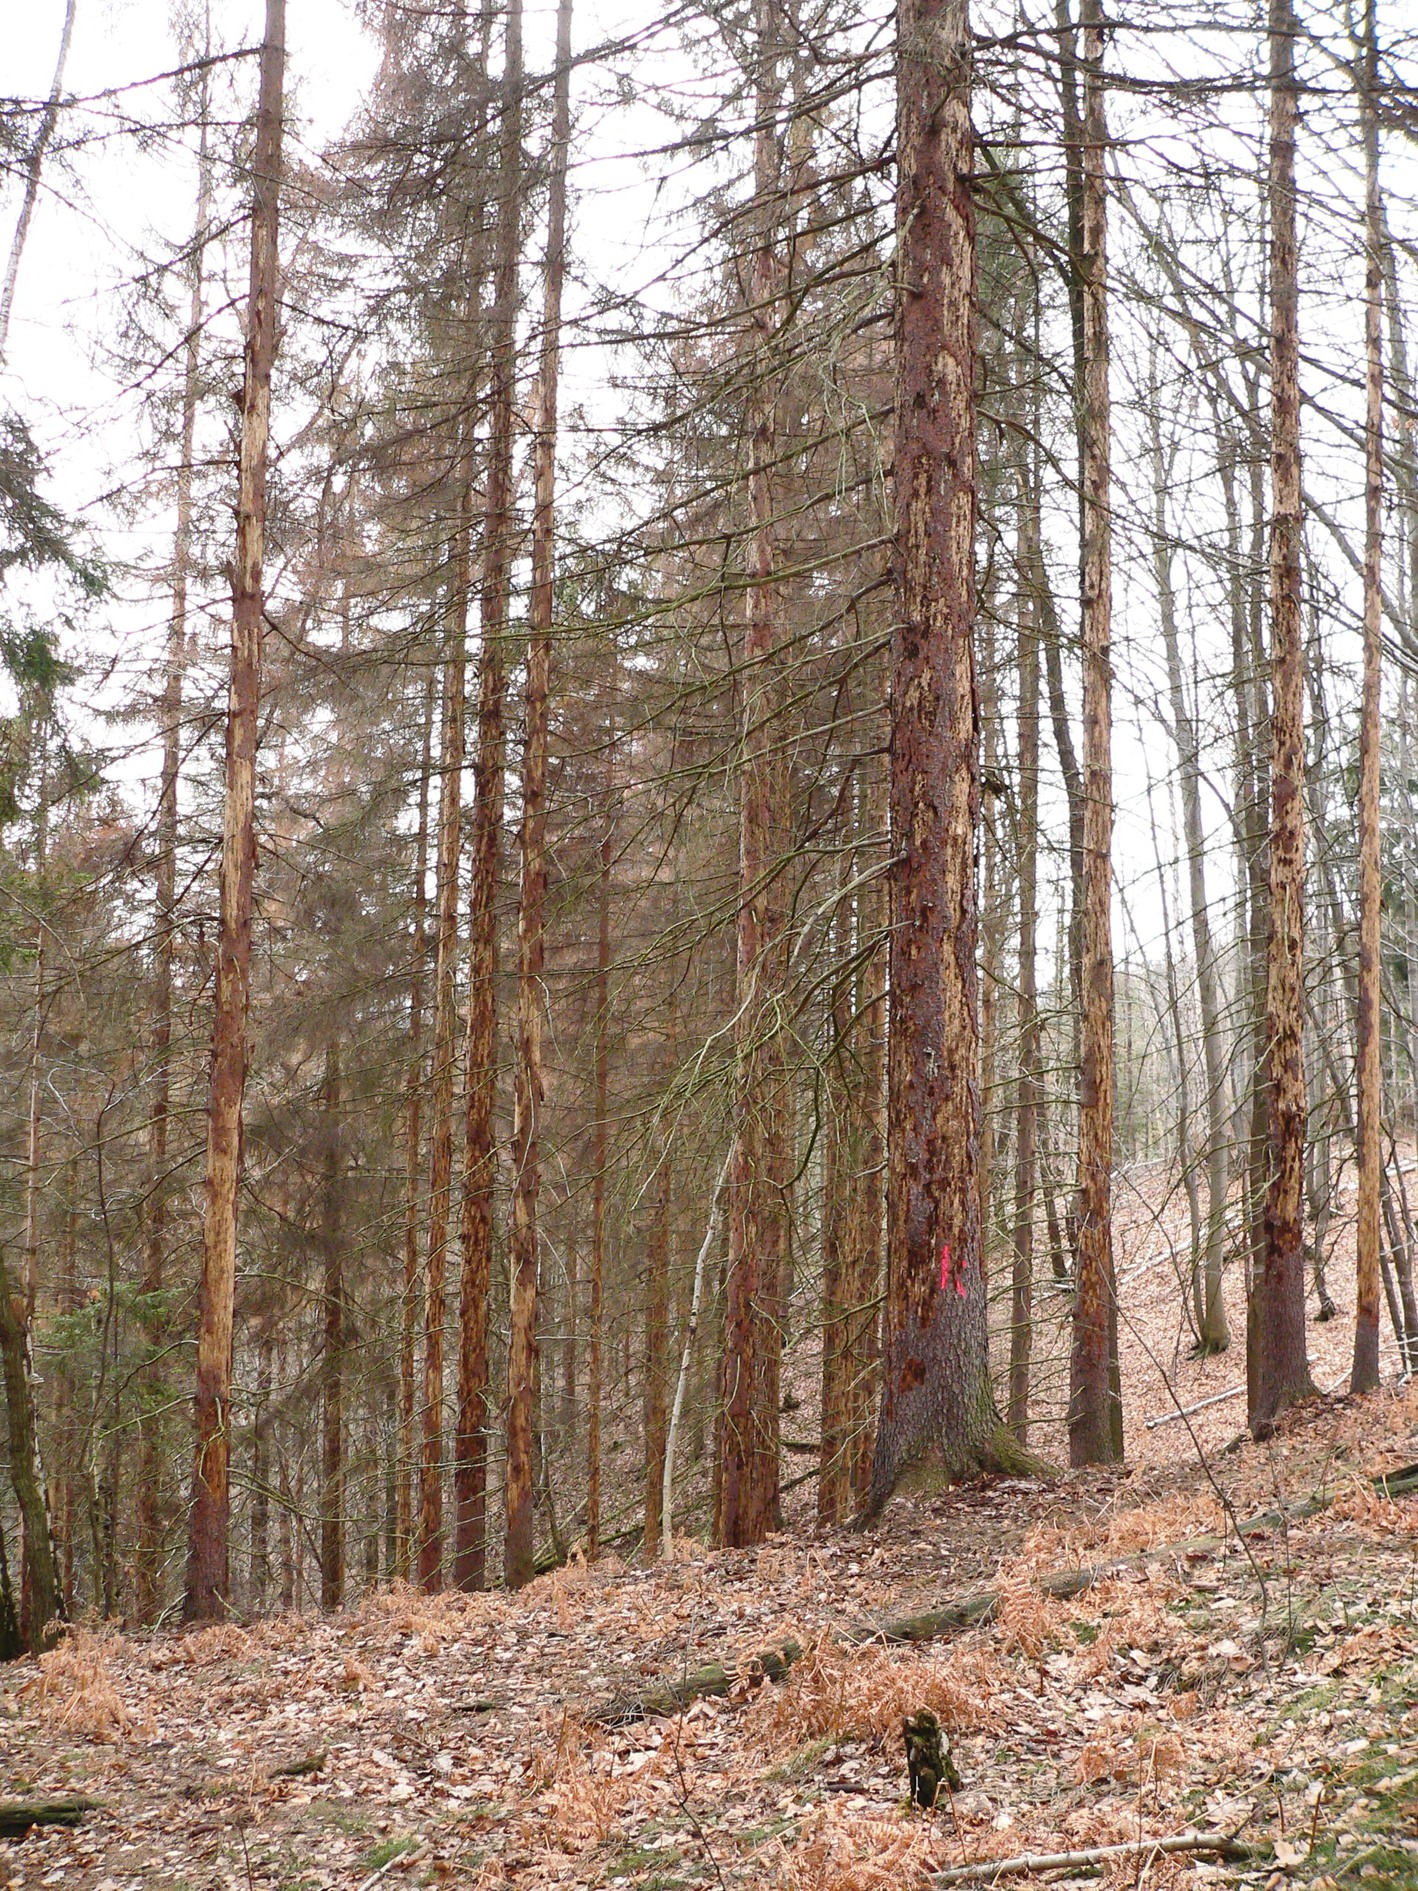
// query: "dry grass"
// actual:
[[841, 1693], [74, 1693], [848, 1851]]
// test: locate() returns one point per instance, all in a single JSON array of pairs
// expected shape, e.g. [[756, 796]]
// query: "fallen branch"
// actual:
[[1188, 1411], [1218, 1844], [18, 1815]]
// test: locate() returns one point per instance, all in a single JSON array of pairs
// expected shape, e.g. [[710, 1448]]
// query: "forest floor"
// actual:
[[1265, 1686]]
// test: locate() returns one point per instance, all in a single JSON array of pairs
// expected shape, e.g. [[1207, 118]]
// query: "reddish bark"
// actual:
[[936, 1396], [208, 1529], [480, 1060], [1095, 1403]]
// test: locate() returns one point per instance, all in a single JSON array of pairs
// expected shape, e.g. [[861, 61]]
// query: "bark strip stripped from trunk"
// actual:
[[1278, 1366], [1365, 1375], [936, 1396], [531, 924], [208, 1530]]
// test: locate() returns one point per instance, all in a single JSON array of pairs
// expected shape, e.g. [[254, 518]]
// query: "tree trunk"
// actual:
[[413, 1150], [599, 1156], [758, 1205], [1021, 1319], [440, 1174], [1365, 1374], [150, 1480], [937, 1402], [208, 1563], [1213, 1333], [44, 1603], [34, 168], [332, 1246], [531, 998], [657, 1349], [1278, 1366], [1095, 1399], [480, 1064]]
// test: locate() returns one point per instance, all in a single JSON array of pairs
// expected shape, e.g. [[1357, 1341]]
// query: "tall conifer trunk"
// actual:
[[332, 1293], [480, 1051], [758, 1200], [444, 1054], [1095, 1400], [150, 1480], [936, 1396], [531, 923], [208, 1562], [413, 1153], [1365, 1374], [1278, 1367]]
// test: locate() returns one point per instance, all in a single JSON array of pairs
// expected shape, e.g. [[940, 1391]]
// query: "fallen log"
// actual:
[[669, 1694], [989, 1870], [18, 1815]]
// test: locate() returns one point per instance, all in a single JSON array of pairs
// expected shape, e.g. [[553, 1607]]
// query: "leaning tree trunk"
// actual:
[[937, 1403], [1095, 1422], [1278, 1366], [531, 922], [1365, 1374], [480, 1051], [208, 1561]]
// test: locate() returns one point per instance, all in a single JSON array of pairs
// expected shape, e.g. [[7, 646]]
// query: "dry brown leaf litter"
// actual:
[[461, 1725]]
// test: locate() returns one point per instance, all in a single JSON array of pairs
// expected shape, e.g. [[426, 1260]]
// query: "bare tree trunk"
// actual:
[[480, 1065], [531, 998], [1279, 1368], [691, 1332], [440, 1176], [259, 1568], [34, 169], [599, 1157], [43, 1599], [1021, 1319], [208, 1563], [1095, 1401], [937, 1403], [657, 1348], [332, 1244], [758, 1205], [413, 1151], [1213, 1333], [1365, 1374], [150, 1481]]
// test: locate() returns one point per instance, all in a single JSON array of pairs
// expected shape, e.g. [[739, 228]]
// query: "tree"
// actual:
[[1278, 1370], [1365, 1374], [531, 918], [1095, 1422], [936, 1396], [208, 1570]]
